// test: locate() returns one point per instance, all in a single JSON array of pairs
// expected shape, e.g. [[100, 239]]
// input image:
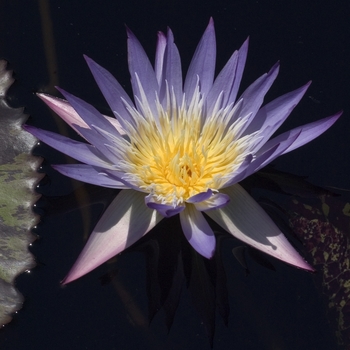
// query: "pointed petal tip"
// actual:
[[306, 266], [245, 44], [65, 281], [44, 97], [88, 59], [49, 99], [275, 67], [91, 63], [329, 121], [129, 32], [32, 130], [337, 115], [62, 91], [123, 223], [244, 218]]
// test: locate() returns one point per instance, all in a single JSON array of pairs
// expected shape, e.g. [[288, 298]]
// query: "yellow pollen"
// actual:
[[179, 155]]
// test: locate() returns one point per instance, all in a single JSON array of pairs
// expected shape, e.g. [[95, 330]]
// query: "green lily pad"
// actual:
[[18, 178]]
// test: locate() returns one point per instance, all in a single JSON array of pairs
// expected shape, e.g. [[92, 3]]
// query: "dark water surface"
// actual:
[[283, 309]]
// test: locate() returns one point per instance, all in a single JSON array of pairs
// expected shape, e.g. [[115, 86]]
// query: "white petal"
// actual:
[[246, 220], [125, 221]]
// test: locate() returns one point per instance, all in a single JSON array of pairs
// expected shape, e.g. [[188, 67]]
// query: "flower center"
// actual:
[[183, 152]]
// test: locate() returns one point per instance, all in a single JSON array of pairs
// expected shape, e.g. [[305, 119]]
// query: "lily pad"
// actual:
[[18, 178], [324, 230]]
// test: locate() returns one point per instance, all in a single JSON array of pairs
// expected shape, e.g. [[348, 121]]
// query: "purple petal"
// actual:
[[271, 116], [70, 116], [223, 84], [240, 173], [64, 110], [278, 149], [88, 113], [140, 65], [111, 90], [242, 57], [253, 96], [120, 176], [101, 145], [310, 131], [80, 151], [229, 79], [247, 221], [165, 210], [216, 201], [302, 134], [172, 75], [159, 59], [197, 231], [199, 197], [252, 167], [202, 64], [89, 174], [124, 222]]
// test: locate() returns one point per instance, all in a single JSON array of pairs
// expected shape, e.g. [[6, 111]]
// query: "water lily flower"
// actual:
[[179, 149]]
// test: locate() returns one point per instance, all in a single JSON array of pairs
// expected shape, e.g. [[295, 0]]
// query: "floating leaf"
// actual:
[[18, 178], [324, 229]]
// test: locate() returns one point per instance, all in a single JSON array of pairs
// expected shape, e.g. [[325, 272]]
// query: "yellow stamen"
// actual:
[[180, 153]]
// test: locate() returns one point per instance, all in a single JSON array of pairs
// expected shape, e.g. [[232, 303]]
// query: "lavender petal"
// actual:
[[197, 231], [172, 75], [202, 64], [165, 210], [140, 65], [89, 174], [88, 113], [111, 90], [82, 152], [216, 201], [199, 197]]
